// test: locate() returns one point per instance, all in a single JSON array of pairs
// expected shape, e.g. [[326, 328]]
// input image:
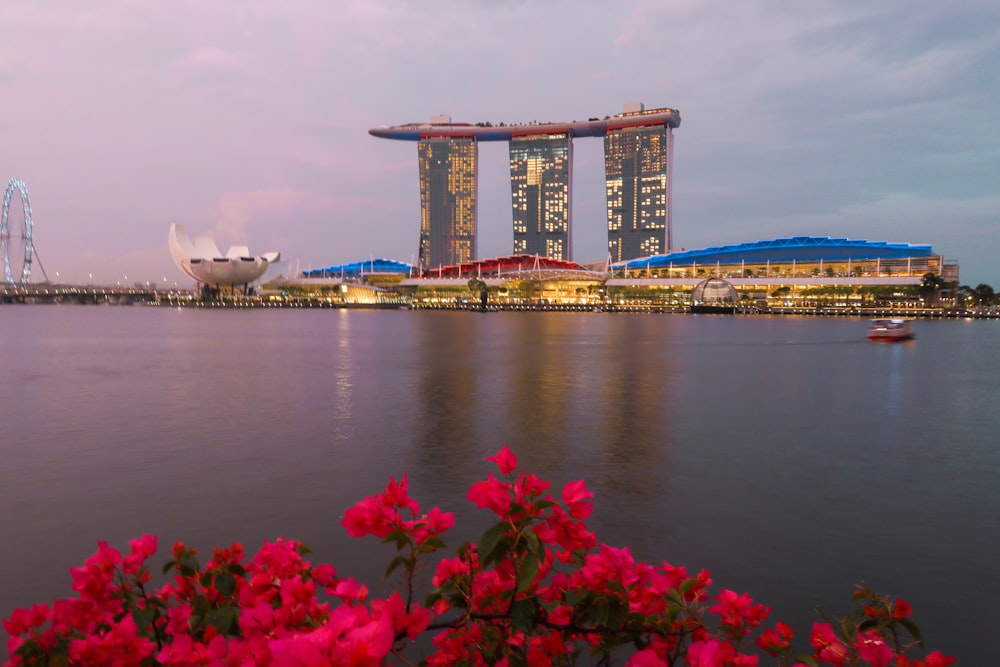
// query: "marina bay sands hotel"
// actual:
[[638, 168]]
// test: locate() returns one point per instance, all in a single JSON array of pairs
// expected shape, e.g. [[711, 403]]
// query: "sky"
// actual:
[[248, 120]]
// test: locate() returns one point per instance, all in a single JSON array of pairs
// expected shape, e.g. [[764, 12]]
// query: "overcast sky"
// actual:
[[248, 120]]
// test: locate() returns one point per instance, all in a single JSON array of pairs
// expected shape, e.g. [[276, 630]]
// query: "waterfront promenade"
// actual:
[[151, 296], [922, 313]]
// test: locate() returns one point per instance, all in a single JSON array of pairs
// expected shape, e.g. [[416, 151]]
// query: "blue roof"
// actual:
[[797, 248], [356, 269]]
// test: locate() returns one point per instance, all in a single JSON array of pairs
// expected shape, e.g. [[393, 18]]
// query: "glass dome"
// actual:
[[714, 291]]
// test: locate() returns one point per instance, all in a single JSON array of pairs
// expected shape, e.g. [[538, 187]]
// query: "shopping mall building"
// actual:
[[801, 271]]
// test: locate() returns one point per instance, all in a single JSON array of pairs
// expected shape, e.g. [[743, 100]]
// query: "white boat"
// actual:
[[890, 329]]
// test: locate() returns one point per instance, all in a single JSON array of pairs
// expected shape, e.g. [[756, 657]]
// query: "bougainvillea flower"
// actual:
[[505, 459]]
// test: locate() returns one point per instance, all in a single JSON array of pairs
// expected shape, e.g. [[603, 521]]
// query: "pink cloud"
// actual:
[[238, 215]]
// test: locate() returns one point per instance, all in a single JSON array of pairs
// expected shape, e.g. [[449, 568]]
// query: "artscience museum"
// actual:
[[201, 260]]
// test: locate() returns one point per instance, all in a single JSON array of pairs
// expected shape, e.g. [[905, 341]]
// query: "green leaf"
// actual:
[[223, 619], [914, 630], [807, 660], [490, 544], [599, 613], [169, 566], [523, 612], [688, 585], [491, 537], [534, 544], [432, 544], [516, 660], [396, 562], [574, 598], [399, 537], [225, 583], [616, 613], [527, 571], [544, 504], [237, 569], [143, 617], [206, 580], [200, 605], [189, 565]]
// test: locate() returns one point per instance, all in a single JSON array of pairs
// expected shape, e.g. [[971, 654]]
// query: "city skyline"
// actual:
[[248, 122]]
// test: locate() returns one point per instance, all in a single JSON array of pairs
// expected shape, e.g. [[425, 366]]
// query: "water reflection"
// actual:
[[774, 451], [448, 383]]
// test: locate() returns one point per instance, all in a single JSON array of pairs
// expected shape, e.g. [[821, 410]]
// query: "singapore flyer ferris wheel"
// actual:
[[19, 249]]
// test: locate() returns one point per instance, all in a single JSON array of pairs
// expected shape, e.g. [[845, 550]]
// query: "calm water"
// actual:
[[788, 456]]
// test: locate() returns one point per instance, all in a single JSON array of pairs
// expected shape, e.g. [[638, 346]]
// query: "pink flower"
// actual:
[[432, 524], [349, 590], [140, 549], [94, 580], [828, 647], [935, 659], [491, 494], [505, 459], [369, 517], [396, 495], [574, 494], [25, 620], [872, 647], [302, 650], [739, 610], [646, 658], [776, 640], [710, 653]]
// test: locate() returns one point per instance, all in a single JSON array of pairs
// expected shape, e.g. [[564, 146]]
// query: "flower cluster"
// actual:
[[537, 589]]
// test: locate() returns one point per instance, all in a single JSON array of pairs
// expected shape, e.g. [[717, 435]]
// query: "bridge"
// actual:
[[82, 294]]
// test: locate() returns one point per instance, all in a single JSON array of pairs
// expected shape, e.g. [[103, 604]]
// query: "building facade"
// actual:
[[541, 194], [638, 159], [448, 189], [637, 167]]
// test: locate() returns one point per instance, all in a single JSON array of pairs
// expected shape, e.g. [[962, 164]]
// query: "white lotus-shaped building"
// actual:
[[201, 260]]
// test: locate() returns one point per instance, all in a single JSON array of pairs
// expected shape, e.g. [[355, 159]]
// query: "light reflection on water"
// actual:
[[789, 456]]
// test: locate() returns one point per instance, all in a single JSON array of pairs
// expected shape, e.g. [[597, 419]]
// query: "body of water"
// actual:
[[789, 456]]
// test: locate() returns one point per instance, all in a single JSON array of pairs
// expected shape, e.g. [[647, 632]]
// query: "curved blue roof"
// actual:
[[798, 248], [357, 269]]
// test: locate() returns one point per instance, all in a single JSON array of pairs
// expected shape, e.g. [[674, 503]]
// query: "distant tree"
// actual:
[[930, 287], [965, 296], [476, 285], [985, 296], [931, 282]]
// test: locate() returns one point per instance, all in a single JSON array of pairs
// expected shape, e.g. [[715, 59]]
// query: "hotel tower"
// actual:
[[638, 164]]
